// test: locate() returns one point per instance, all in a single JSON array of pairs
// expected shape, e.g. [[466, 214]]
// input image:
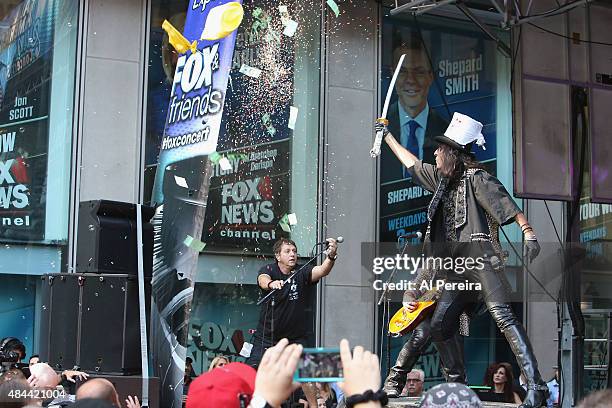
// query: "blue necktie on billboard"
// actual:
[[412, 142]]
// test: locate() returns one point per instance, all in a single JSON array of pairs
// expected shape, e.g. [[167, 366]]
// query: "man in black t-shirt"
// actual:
[[283, 315]]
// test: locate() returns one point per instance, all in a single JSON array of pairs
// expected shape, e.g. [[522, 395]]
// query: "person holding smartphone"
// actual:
[[274, 380]]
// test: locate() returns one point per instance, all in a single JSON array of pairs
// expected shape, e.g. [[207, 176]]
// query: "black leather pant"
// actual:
[[494, 292], [445, 318]]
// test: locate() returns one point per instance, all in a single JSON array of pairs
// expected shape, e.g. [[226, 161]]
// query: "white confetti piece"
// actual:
[[293, 112], [290, 28], [284, 14], [180, 181], [250, 71], [225, 164], [292, 218]]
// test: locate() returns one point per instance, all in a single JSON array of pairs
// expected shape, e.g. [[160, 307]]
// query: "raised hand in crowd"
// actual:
[[73, 375], [274, 380], [43, 376], [132, 402], [361, 375]]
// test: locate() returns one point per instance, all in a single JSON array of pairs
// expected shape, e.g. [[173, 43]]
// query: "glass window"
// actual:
[[270, 134], [37, 68], [594, 236], [449, 66]]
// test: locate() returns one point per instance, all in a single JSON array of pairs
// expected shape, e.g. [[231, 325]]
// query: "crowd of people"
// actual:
[[37, 384], [271, 385], [468, 205]]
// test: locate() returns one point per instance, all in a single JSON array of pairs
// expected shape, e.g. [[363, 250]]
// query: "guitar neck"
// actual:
[[429, 296]]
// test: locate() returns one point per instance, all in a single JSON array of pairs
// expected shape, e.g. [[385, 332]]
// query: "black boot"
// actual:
[[537, 391], [451, 359], [406, 359], [395, 382]]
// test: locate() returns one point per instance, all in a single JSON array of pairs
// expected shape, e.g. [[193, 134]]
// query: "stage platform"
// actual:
[[407, 402]]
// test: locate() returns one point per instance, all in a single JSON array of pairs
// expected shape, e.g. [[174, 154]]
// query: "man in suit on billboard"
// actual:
[[411, 117]]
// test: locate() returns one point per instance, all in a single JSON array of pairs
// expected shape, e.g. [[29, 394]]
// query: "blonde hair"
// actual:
[[216, 360]]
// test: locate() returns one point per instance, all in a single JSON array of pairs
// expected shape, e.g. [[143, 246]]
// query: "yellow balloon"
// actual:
[[222, 21], [177, 40]]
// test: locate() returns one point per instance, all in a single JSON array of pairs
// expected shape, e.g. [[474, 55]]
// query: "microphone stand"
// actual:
[[384, 297], [392, 275]]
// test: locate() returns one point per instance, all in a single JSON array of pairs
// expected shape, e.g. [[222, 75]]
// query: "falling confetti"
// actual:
[[180, 181], [214, 157], [240, 156], [257, 13], [284, 223], [292, 218], [194, 243], [290, 28], [267, 122], [250, 71], [272, 36], [225, 164], [261, 21], [332, 5], [293, 112], [284, 14]]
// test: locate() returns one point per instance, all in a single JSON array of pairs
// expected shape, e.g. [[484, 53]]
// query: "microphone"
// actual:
[[417, 234], [338, 240]]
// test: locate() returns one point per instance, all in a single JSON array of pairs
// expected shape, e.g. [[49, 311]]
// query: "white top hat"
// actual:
[[462, 132]]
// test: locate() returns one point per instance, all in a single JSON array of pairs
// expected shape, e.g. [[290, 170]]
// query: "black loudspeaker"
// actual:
[[59, 320], [106, 240], [92, 321]]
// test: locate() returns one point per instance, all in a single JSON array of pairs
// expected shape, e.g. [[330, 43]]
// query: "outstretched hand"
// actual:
[[73, 375], [274, 380], [361, 372]]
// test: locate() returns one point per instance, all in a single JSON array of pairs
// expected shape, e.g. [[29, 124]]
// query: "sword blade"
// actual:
[[391, 86]]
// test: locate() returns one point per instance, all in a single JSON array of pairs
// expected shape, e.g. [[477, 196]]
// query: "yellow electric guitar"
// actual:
[[403, 321]]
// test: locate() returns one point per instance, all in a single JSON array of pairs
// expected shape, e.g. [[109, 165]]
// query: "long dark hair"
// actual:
[[488, 380], [455, 162]]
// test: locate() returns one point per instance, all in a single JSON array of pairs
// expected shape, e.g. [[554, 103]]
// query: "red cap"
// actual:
[[222, 387]]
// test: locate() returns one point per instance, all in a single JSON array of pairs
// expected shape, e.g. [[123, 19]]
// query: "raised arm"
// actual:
[[328, 263], [408, 159]]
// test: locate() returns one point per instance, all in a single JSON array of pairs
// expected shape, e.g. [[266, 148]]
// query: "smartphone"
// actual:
[[319, 365]]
